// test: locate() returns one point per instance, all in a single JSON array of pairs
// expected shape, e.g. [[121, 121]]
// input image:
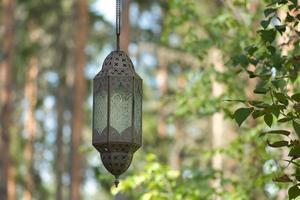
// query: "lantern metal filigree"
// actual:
[[117, 111]]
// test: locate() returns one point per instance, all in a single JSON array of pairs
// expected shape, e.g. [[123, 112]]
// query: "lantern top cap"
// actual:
[[117, 63]]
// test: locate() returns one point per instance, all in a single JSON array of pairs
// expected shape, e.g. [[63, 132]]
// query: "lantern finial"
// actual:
[[117, 181]]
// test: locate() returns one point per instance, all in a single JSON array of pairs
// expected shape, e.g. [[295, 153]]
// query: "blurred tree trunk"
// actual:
[[30, 125], [63, 93], [162, 79], [125, 26], [176, 151], [217, 118], [7, 169], [59, 165], [78, 102], [60, 99], [218, 124]]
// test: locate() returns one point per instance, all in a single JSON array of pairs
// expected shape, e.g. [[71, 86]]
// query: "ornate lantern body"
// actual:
[[117, 112]]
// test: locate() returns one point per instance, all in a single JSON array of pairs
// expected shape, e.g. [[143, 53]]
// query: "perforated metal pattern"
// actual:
[[117, 63], [116, 162]]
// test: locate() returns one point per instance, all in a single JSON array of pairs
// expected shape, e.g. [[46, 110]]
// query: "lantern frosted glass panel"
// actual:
[[100, 105], [121, 99], [138, 110]]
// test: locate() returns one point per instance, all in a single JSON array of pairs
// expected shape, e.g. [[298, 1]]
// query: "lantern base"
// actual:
[[116, 162]]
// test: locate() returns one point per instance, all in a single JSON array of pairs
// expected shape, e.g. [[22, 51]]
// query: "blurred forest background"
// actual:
[[190, 56]]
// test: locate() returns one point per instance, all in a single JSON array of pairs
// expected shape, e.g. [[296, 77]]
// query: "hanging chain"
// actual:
[[118, 22]]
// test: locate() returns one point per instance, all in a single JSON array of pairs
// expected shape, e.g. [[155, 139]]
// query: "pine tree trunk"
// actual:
[[61, 98], [30, 125], [59, 169], [7, 169], [78, 102], [60, 154], [62, 95]]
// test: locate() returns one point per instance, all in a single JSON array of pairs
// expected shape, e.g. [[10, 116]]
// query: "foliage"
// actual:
[[273, 62], [199, 30], [152, 180], [158, 181]]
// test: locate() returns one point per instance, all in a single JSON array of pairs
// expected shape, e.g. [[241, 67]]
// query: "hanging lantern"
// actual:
[[117, 110]]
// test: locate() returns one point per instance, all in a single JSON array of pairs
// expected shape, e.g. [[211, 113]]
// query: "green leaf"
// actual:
[[251, 74], [278, 144], [294, 192], [251, 50], [279, 83], [281, 2], [282, 179], [297, 176], [296, 128], [271, 49], [281, 98], [255, 103], [291, 7], [296, 97], [262, 105], [295, 152], [257, 113], [265, 23], [289, 18], [277, 132], [285, 119], [268, 35], [242, 114], [280, 28], [269, 11], [268, 118], [273, 2], [240, 60], [275, 110], [277, 60], [260, 90], [295, 2]]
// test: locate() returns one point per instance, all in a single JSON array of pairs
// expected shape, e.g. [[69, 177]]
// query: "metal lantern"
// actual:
[[117, 112]]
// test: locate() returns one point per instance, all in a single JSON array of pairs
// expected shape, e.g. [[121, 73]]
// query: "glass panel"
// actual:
[[138, 95], [120, 103], [100, 104]]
